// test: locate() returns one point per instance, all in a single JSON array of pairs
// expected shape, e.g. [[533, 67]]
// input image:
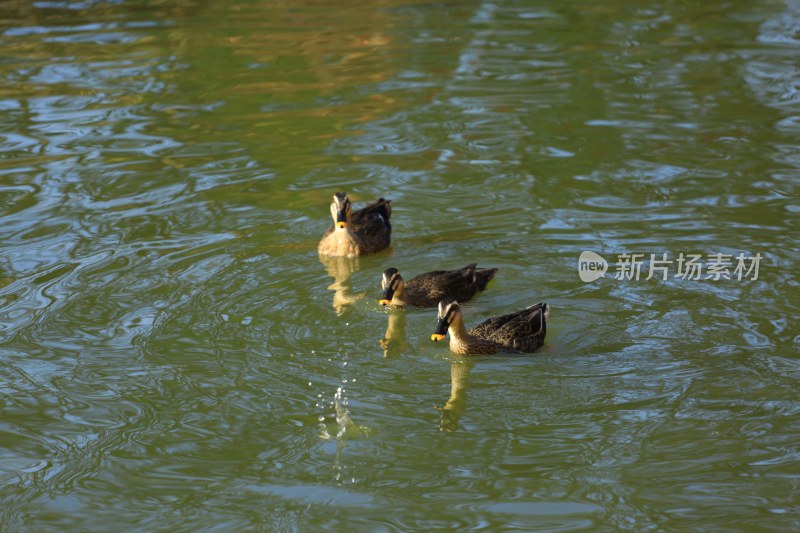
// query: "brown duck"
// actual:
[[428, 289], [522, 331], [360, 232]]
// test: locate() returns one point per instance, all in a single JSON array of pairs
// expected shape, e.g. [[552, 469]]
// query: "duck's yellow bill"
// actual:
[[437, 337], [385, 302], [341, 224]]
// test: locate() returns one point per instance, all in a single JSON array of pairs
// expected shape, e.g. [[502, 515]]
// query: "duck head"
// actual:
[[391, 283], [340, 210], [448, 311]]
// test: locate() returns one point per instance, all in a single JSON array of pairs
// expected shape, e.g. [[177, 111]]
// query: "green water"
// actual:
[[175, 357]]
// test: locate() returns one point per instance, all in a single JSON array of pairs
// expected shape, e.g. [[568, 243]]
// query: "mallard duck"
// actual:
[[360, 232], [522, 331], [428, 289]]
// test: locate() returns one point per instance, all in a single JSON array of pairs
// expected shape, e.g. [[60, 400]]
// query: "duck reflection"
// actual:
[[394, 340], [341, 269], [457, 403]]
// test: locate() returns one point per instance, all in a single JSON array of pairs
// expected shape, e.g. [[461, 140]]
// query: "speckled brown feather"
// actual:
[[428, 289], [522, 331]]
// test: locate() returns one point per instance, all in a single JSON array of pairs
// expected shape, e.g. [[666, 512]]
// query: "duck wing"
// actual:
[[430, 288], [444, 278], [372, 219], [523, 330], [484, 276]]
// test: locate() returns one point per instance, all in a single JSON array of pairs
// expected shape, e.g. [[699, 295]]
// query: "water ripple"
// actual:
[[174, 351]]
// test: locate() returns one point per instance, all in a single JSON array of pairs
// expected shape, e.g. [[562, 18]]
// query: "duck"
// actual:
[[428, 289], [521, 331], [360, 232]]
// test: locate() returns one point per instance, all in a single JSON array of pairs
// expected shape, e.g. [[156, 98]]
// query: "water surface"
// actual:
[[175, 356]]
